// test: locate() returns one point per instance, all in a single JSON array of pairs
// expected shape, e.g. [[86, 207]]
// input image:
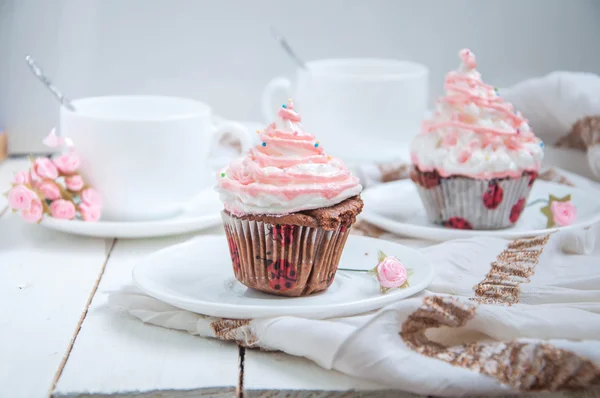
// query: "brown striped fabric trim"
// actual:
[[514, 266], [527, 367], [237, 330]]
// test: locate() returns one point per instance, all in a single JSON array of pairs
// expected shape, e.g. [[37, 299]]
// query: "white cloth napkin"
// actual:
[[541, 333], [553, 104]]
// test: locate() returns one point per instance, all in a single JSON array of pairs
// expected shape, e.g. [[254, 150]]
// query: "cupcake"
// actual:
[[475, 160], [288, 210]]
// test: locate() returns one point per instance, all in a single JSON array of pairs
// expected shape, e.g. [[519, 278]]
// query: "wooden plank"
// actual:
[[279, 372], [116, 353], [45, 282]]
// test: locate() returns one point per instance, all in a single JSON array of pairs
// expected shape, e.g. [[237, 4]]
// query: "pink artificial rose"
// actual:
[[68, 163], [22, 177], [391, 273], [52, 140], [563, 213], [62, 209], [20, 197], [34, 212], [49, 189], [74, 183], [91, 197], [90, 213], [44, 169]]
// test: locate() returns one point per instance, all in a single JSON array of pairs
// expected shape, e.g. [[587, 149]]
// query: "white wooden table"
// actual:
[[59, 337]]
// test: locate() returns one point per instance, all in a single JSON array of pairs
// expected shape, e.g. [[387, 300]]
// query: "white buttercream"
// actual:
[[474, 132], [290, 173]]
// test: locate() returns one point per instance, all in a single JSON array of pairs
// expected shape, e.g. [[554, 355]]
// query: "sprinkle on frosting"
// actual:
[[474, 132], [288, 172]]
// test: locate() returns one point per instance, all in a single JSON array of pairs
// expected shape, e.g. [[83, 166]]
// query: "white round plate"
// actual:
[[397, 207], [202, 214], [197, 276]]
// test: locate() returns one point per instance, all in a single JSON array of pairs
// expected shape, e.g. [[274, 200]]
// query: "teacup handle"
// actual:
[[235, 128], [222, 127], [268, 98]]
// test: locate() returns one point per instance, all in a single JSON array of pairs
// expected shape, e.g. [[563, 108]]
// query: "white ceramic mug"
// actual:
[[148, 156], [360, 109]]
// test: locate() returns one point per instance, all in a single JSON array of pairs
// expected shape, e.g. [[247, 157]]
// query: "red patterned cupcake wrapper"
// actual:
[[468, 203], [286, 260]]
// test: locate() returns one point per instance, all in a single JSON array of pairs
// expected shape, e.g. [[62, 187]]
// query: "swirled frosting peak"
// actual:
[[474, 132], [287, 172]]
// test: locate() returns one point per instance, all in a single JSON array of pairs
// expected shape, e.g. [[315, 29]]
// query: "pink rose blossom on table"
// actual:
[[90, 213], [564, 213], [20, 197], [49, 189], [34, 212], [62, 209], [559, 212], [22, 177], [68, 163], [42, 169], [40, 189], [390, 272], [91, 197], [74, 183]]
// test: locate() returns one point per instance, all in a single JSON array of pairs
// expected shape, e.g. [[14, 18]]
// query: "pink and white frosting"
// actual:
[[474, 132], [287, 172]]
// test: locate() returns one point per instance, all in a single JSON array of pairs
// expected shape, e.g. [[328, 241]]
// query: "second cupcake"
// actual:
[[288, 210], [475, 160]]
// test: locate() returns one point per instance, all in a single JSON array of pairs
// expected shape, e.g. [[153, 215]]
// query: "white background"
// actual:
[[221, 51]]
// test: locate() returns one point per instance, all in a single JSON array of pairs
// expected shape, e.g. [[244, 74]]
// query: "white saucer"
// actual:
[[197, 276], [202, 214], [397, 207]]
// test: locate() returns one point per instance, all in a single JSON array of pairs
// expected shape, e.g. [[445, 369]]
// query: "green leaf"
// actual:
[[565, 199], [380, 256], [410, 272]]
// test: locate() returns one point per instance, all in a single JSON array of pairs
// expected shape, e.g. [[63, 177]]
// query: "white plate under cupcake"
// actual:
[[197, 276], [396, 207]]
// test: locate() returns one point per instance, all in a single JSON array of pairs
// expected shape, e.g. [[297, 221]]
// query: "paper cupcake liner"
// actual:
[[285, 260], [468, 203]]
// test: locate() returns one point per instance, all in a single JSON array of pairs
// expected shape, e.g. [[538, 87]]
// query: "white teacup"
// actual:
[[363, 109], [148, 156]]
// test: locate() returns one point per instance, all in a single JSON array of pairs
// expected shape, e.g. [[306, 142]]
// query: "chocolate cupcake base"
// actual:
[[294, 255], [469, 203]]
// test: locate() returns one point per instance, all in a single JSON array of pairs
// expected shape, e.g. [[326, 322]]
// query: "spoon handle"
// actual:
[[37, 71], [288, 49]]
